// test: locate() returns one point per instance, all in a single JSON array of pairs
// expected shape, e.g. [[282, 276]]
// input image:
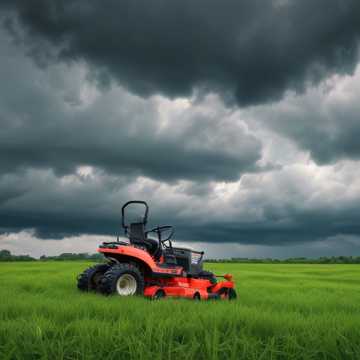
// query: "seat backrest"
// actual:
[[137, 233], [138, 236]]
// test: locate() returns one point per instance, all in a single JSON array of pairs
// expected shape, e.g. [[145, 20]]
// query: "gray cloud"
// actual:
[[250, 50], [56, 119], [287, 207], [325, 121], [72, 152]]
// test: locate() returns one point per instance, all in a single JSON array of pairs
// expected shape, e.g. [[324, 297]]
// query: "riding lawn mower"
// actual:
[[148, 264]]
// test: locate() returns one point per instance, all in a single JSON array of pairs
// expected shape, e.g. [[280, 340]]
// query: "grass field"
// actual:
[[282, 312]]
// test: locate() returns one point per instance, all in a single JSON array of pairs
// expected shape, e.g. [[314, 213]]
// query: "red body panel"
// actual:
[[129, 250], [168, 279]]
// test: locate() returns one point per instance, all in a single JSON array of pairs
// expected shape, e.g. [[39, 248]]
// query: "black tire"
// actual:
[[109, 282], [230, 294], [197, 297], [90, 279], [159, 295]]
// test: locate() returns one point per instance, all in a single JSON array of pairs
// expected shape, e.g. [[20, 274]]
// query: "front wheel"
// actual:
[[232, 294], [160, 294], [123, 280], [227, 294]]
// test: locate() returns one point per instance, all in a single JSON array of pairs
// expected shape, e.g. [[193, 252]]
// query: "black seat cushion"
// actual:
[[138, 236]]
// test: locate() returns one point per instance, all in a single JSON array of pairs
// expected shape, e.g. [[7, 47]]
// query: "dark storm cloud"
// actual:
[[45, 123], [325, 121], [250, 50], [337, 139], [54, 122], [258, 213], [201, 166], [56, 207]]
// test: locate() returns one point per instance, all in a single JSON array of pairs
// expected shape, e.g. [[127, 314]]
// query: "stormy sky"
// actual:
[[237, 121]]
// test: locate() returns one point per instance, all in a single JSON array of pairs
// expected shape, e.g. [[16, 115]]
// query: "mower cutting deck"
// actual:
[[153, 267]]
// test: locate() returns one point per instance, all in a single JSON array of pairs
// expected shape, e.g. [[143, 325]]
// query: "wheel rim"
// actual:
[[126, 285]]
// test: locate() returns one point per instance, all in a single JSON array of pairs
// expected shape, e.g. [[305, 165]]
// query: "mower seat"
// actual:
[[137, 236], [137, 233]]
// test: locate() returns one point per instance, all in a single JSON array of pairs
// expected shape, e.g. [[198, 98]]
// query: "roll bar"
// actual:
[[134, 202]]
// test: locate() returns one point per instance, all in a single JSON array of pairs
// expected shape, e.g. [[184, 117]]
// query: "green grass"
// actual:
[[282, 312]]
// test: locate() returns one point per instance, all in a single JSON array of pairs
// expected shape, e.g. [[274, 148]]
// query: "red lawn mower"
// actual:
[[151, 266]]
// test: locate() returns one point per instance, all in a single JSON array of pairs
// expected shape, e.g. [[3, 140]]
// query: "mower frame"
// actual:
[[161, 276]]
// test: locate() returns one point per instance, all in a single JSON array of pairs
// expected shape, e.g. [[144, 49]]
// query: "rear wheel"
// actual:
[[197, 296], [91, 277], [123, 280]]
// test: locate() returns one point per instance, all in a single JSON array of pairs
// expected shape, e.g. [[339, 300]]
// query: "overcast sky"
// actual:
[[237, 121]]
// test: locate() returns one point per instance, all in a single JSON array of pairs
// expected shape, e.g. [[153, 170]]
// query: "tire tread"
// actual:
[[108, 282], [84, 279]]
